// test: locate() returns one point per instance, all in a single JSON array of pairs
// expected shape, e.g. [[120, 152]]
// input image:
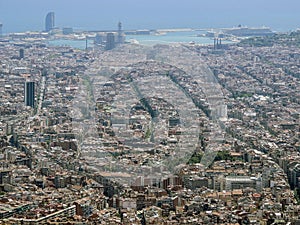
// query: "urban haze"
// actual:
[[149, 112]]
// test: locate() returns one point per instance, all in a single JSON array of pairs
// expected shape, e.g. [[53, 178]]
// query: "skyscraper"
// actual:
[[49, 22], [29, 93], [120, 33], [110, 41]]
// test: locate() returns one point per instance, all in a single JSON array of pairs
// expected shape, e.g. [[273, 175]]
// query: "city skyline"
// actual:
[[187, 114], [135, 14]]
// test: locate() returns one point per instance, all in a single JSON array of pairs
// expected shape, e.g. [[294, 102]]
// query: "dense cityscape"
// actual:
[[123, 133]]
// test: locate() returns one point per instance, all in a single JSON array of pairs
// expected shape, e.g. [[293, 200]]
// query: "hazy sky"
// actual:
[[22, 15]]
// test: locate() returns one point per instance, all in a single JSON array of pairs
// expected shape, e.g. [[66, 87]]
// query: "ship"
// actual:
[[245, 31]]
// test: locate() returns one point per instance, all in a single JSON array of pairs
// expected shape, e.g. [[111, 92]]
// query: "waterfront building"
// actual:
[[100, 38], [120, 34], [49, 22], [67, 30], [110, 41]]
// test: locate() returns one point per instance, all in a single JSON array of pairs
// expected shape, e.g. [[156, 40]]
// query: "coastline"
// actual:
[[169, 36]]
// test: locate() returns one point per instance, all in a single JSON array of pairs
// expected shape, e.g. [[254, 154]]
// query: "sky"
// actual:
[[25, 15]]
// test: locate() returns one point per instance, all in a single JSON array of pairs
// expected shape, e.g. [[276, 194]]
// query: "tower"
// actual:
[[49, 22], [120, 38], [110, 41], [29, 93], [215, 43], [1, 25]]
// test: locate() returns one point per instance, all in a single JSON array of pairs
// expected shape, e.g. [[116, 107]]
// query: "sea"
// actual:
[[150, 40]]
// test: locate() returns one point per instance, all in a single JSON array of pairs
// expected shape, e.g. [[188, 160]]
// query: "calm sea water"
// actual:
[[171, 37]]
